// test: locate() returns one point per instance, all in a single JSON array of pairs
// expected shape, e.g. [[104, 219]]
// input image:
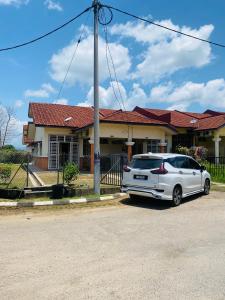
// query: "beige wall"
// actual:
[[106, 131], [135, 131]]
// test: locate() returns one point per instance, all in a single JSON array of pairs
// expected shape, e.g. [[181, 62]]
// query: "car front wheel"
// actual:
[[177, 196], [206, 187]]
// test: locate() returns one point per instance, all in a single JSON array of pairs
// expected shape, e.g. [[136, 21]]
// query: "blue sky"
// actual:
[[155, 68]]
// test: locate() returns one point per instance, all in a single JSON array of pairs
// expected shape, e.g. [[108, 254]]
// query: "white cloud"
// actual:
[[208, 94], [53, 5], [14, 2], [167, 52], [179, 106], [61, 101], [145, 33], [81, 70], [127, 101], [44, 92], [19, 103]]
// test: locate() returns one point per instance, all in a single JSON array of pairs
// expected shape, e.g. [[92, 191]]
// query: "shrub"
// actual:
[[182, 150], [13, 156], [71, 172], [199, 153], [5, 173], [8, 147]]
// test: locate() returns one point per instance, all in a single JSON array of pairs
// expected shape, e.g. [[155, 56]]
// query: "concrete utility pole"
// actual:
[[96, 103]]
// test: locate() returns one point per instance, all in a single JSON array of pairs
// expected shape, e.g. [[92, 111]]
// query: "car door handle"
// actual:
[[194, 173], [180, 172]]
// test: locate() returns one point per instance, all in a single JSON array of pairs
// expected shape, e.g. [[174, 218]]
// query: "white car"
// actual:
[[165, 176]]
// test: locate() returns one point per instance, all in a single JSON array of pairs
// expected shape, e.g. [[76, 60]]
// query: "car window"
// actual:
[[146, 163], [193, 164], [181, 162]]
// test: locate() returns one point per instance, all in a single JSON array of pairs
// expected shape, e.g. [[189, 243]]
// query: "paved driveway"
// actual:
[[139, 250]]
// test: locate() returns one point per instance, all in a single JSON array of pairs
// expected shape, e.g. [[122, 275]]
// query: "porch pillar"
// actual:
[[162, 147], [91, 142], [129, 150], [217, 140], [145, 147]]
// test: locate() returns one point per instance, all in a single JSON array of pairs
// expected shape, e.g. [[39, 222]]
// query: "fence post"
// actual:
[[27, 183], [58, 176]]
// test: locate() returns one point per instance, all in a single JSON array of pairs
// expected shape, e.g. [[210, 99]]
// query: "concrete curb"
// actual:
[[61, 202]]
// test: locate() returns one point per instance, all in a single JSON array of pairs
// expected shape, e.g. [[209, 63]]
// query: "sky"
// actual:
[[154, 67]]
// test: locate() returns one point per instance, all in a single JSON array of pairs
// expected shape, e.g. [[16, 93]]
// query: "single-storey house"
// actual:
[[59, 133]]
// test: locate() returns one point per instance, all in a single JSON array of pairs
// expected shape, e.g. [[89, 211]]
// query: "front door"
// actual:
[[64, 154]]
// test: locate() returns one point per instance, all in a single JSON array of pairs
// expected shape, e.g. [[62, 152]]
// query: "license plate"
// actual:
[[141, 177]]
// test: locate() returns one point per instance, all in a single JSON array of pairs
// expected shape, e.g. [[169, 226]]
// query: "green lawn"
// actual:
[[19, 181], [51, 177]]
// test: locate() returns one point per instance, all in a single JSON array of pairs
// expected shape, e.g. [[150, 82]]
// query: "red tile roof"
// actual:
[[131, 117], [211, 123], [60, 115], [45, 114], [174, 118], [196, 115]]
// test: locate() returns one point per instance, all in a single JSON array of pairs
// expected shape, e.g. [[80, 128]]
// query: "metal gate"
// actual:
[[112, 169]]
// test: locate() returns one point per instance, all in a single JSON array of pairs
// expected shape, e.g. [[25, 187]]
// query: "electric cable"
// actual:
[[46, 34], [110, 8], [102, 15], [72, 59]]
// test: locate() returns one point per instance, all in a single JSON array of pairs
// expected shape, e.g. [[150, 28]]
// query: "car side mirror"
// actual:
[[202, 168]]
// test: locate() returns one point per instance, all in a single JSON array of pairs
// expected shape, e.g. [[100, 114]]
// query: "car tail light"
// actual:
[[126, 169], [160, 171]]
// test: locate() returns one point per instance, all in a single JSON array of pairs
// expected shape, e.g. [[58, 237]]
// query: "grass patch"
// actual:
[[20, 179], [5, 211]]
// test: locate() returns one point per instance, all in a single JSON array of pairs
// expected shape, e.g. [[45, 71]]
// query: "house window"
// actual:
[[86, 147], [153, 146]]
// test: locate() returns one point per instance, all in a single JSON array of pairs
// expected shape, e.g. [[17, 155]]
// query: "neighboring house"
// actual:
[[59, 133], [62, 132], [193, 129]]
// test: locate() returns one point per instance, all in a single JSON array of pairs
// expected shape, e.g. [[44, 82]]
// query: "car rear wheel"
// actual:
[[206, 187], [177, 196], [133, 197]]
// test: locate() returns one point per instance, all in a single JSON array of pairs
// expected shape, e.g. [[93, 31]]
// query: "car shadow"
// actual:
[[151, 203], [148, 203]]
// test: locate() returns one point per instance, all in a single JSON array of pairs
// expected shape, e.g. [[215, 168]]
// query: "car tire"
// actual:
[[177, 195], [206, 187], [133, 197]]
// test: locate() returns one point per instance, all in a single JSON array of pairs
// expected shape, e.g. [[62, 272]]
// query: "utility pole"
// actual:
[[96, 103]]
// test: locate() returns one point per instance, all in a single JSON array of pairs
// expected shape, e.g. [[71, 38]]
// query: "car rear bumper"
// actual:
[[145, 192]]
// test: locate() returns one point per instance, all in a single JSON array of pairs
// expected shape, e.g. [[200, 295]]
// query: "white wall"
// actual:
[[42, 134]]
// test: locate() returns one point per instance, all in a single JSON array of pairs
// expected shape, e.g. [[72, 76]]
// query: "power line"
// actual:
[[72, 59], [111, 58], [46, 34], [161, 26]]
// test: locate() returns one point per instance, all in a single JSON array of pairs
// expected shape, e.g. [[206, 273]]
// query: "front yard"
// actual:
[[18, 177]]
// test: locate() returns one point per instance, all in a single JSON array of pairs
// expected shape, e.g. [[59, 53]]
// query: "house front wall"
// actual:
[[110, 130], [42, 134]]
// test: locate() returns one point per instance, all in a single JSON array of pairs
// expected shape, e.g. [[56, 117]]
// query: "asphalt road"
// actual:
[[139, 250]]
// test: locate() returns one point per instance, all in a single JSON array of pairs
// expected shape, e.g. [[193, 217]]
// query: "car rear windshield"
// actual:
[[146, 163]]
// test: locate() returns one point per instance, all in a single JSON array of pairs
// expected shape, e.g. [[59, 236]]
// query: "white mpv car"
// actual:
[[165, 176]]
